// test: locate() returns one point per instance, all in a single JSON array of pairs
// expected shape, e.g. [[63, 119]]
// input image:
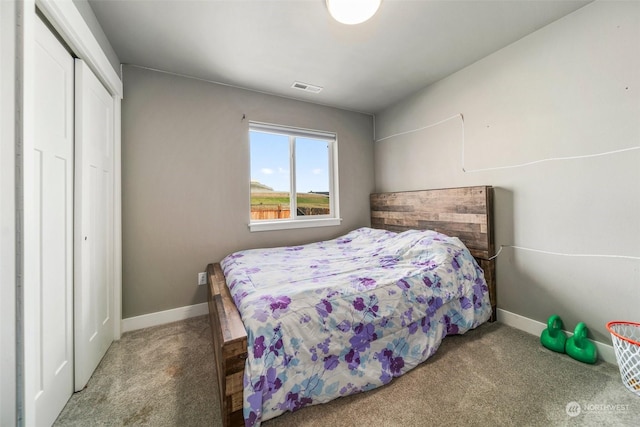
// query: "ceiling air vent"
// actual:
[[306, 87]]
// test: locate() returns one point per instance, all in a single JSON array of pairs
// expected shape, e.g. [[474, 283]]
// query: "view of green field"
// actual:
[[272, 199]]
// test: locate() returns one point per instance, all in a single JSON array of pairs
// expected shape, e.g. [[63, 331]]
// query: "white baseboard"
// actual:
[[162, 317], [605, 351]]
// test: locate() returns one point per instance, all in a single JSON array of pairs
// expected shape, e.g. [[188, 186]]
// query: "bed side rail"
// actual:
[[229, 346]]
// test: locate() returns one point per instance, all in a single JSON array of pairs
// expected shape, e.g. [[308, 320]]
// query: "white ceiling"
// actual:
[[266, 45]]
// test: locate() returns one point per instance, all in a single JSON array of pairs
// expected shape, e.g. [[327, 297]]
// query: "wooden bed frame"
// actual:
[[465, 212]]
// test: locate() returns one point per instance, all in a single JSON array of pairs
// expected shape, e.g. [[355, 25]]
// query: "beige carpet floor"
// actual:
[[492, 376]]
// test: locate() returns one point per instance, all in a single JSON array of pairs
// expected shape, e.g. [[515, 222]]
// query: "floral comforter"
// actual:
[[333, 318]]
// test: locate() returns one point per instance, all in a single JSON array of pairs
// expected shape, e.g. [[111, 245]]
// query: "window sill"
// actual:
[[291, 224]]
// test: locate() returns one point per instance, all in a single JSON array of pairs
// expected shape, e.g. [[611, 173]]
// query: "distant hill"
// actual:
[[257, 186]]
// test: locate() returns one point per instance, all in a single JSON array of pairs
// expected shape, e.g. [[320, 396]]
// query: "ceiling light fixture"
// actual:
[[352, 12]]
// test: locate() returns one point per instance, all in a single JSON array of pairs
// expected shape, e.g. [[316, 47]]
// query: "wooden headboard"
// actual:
[[465, 213]]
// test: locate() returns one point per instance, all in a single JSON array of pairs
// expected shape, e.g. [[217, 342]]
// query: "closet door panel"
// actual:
[[49, 283], [94, 210]]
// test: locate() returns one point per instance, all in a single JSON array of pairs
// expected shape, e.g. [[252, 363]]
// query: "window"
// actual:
[[293, 177]]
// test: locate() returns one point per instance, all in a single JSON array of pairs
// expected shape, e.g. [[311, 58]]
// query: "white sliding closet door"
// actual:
[[48, 303], [94, 219]]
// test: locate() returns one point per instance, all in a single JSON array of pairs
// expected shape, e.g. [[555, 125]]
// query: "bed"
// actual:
[[359, 332]]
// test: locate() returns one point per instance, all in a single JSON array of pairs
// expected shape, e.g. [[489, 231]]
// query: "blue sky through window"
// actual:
[[270, 162]]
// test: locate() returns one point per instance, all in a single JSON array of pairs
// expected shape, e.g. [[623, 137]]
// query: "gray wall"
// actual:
[[569, 89], [185, 179]]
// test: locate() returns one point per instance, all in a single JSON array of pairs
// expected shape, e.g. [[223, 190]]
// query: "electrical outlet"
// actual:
[[202, 278]]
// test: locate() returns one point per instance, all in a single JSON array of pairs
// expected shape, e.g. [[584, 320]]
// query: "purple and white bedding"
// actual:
[[334, 318]]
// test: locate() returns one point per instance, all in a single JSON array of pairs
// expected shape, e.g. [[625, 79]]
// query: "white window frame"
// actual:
[[301, 221]]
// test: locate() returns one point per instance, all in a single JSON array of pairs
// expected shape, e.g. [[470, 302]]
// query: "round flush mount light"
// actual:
[[352, 12]]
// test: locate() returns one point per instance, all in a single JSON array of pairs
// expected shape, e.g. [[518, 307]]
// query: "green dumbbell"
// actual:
[[554, 337], [579, 347]]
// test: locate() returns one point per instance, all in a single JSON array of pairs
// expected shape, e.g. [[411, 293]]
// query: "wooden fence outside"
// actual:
[[270, 212], [280, 212]]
